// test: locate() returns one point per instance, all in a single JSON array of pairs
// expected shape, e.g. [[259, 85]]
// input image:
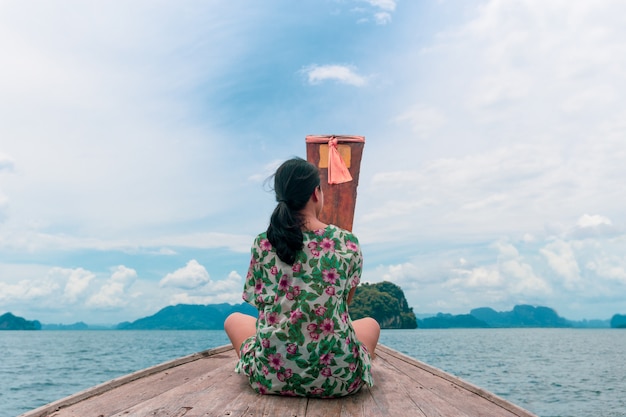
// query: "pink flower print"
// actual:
[[288, 393], [328, 326], [330, 275], [352, 246], [272, 318], [258, 286], [295, 316], [265, 370], [326, 358], [283, 376], [259, 299], [261, 315], [283, 283], [294, 293], [328, 245], [352, 366], [317, 391], [265, 343], [311, 327], [275, 360], [330, 291], [345, 317], [314, 249], [355, 385], [245, 296], [355, 351], [320, 311], [297, 267], [265, 245], [355, 281], [314, 336], [292, 348], [327, 372], [262, 390]]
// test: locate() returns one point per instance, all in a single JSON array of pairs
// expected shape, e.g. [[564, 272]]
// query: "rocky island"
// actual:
[[9, 321]]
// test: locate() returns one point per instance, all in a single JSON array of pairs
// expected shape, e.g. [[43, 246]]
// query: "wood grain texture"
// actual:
[[205, 384]]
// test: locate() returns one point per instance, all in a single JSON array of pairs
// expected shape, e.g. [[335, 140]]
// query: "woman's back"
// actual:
[[305, 342]]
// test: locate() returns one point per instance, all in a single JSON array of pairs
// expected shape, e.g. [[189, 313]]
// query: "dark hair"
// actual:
[[294, 182]]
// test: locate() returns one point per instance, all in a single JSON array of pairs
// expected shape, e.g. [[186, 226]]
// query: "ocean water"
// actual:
[[551, 372]]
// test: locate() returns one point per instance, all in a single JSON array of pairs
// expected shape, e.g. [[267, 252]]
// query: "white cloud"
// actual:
[[592, 221], [191, 276], [389, 5], [562, 260], [609, 268], [495, 122], [227, 290], [593, 226], [6, 163], [382, 18], [113, 293], [77, 282], [424, 120], [27, 290], [342, 74]]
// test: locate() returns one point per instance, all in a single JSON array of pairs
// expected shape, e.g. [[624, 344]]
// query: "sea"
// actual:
[[550, 372]]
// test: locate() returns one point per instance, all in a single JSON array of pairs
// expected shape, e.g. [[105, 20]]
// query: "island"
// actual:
[[9, 321]]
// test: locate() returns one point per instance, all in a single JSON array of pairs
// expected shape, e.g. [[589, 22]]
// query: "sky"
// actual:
[[136, 138]]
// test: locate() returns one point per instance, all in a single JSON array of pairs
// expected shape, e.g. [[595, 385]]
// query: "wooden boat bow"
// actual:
[[205, 384]]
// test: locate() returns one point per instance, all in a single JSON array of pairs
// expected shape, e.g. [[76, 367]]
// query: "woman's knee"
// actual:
[[368, 332], [232, 320]]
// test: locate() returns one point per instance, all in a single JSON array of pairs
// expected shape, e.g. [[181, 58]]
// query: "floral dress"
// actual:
[[305, 344]]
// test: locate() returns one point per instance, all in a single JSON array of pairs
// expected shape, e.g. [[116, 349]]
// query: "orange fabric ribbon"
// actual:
[[337, 171]]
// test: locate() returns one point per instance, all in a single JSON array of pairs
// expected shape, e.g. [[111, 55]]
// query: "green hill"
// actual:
[[385, 302], [520, 316], [8, 321], [188, 317], [618, 321]]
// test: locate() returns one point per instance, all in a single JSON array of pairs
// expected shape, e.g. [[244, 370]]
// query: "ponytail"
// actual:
[[294, 182]]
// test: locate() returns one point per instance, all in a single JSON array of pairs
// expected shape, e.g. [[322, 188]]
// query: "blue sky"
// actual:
[[135, 138]]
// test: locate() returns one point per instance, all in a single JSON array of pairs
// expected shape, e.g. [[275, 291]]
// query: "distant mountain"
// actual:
[[618, 321], [188, 317], [8, 321], [76, 326], [520, 316], [448, 321]]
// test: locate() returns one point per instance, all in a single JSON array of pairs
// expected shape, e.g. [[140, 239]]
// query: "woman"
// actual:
[[302, 276]]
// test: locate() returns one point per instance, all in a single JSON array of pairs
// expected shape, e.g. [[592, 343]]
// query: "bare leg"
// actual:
[[367, 331], [239, 327]]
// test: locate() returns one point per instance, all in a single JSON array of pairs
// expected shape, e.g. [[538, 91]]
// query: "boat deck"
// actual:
[[204, 384]]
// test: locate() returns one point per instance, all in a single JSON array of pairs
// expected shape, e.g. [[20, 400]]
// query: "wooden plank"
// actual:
[[135, 385], [115, 400], [404, 395], [196, 394], [205, 384], [472, 399]]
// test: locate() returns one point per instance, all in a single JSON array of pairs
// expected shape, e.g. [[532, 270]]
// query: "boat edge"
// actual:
[[93, 391], [507, 405]]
